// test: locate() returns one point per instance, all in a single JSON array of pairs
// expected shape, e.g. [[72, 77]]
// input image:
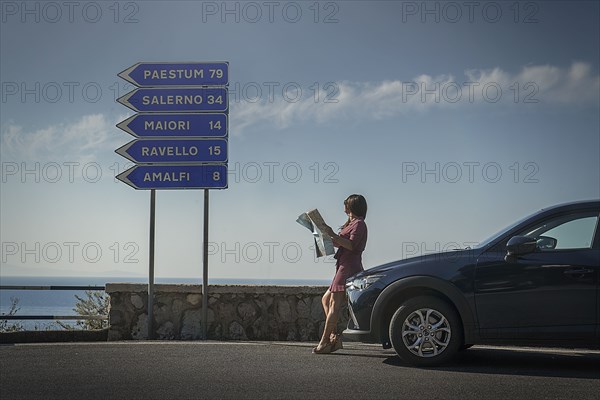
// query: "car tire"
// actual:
[[426, 331]]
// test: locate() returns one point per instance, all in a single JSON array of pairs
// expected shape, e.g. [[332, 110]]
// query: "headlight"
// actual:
[[363, 283]]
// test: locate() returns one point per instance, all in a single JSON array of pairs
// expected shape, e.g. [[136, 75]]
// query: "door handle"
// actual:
[[579, 271]]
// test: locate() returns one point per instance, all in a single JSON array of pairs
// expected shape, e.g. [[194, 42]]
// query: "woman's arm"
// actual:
[[342, 242]]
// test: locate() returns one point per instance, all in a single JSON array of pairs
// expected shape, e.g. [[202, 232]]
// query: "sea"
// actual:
[[62, 302]]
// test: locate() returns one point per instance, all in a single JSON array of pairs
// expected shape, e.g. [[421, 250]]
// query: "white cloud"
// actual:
[[537, 84], [77, 141], [576, 85], [83, 140]]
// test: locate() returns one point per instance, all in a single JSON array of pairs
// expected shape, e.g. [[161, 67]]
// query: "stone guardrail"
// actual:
[[235, 312]]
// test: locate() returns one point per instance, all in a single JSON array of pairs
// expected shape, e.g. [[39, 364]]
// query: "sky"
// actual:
[[453, 119]]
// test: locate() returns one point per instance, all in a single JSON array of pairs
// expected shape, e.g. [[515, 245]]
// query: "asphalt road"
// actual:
[[259, 370]]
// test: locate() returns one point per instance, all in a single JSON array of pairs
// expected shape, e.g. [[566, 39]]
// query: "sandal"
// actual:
[[337, 343], [328, 348]]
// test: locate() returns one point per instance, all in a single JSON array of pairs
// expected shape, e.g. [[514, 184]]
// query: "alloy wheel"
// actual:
[[426, 332]]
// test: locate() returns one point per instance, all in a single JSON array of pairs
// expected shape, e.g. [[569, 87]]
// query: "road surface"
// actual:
[[286, 370]]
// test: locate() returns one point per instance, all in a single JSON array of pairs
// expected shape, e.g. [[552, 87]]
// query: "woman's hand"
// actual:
[[328, 231], [338, 241]]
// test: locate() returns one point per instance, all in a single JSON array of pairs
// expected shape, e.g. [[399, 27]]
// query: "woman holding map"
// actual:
[[351, 242]]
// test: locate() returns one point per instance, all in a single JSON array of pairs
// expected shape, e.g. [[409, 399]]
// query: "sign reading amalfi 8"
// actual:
[[182, 127], [169, 176]]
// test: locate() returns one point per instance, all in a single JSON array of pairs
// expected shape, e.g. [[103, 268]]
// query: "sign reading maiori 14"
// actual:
[[181, 126], [176, 124]]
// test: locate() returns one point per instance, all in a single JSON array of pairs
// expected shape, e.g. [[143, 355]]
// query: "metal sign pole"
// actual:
[[205, 128], [205, 271], [151, 266]]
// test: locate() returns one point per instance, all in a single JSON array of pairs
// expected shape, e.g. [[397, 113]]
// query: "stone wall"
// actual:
[[235, 312]]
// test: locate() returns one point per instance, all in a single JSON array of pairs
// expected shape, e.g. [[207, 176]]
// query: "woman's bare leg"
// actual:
[[325, 301], [332, 312]]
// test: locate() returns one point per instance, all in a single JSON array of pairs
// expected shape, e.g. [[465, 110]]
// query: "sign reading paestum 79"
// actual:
[[177, 74]]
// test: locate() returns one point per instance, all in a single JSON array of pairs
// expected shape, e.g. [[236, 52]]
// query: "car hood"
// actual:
[[427, 264]]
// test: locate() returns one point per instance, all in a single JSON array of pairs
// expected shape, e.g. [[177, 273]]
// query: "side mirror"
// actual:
[[520, 245], [546, 243]]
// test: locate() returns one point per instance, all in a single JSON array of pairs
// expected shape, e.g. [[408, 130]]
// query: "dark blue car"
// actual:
[[535, 283]]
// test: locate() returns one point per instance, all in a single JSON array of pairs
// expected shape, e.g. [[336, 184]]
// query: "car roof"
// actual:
[[575, 205]]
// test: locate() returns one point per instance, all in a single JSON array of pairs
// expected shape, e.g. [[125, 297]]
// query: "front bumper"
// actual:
[[359, 336], [353, 331], [360, 308]]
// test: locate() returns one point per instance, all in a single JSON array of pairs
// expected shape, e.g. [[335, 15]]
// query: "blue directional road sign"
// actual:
[[211, 176], [171, 151], [171, 124], [145, 74], [186, 99]]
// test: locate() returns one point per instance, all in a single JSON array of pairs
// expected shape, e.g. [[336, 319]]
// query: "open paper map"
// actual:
[[313, 221]]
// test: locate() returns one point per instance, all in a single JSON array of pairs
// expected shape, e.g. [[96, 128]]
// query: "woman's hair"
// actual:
[[357, 205]]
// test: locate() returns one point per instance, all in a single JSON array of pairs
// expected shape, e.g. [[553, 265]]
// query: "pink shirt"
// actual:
[[356, 232]]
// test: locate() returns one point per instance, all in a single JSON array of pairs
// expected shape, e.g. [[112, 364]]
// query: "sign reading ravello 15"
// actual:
[[182, 127]]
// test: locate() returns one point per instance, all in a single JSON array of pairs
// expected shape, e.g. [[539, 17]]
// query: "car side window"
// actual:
[[563, 233]]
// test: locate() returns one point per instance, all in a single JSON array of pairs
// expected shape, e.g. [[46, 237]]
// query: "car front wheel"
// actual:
[[425, 331]]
